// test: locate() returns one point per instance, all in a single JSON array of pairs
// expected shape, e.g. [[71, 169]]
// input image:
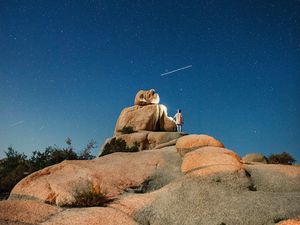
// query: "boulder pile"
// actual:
[[191, 179], [146, 125]]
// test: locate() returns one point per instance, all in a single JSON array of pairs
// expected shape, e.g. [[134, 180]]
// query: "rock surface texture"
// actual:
[[209, 185]]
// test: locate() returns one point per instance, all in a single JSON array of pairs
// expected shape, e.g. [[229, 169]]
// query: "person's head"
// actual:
[[179, 110]]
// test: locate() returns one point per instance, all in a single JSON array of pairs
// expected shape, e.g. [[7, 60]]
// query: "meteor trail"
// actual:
[[173, 71], [17, 123]]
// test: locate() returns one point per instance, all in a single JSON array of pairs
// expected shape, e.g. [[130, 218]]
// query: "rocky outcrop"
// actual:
[[144, 126], [194, 141], [255, 157], [209, 185]]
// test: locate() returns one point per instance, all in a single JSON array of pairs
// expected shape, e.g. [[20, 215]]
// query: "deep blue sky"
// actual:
[[68, 68]]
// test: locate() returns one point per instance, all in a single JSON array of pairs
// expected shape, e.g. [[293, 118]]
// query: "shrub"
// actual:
[[90, 198], [86, 196], [127, 130], [118, 145], [12, 169], [282, 158]]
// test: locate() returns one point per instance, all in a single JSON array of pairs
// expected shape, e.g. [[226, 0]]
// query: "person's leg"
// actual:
[[177, 127]]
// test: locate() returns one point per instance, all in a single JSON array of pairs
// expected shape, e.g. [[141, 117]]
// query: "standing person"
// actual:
[[178, 120]]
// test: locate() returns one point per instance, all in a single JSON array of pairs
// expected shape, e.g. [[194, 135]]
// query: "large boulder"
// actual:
[[109, 175], [211, 160], [146, 97], [139, 118], [194, 141], [146, 118], [255, 157]]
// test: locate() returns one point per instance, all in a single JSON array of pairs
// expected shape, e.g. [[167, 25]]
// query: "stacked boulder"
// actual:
[[146, 125], [188, 179]]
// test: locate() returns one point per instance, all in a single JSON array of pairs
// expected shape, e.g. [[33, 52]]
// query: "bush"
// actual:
[[282, 158], [118, 145], [87, 196], [12, 169], [127, 130]]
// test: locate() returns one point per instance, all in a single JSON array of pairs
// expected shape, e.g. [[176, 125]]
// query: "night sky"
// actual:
[[68, 68]]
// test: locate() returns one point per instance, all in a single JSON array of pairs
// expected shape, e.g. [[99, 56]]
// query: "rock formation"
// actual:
[[191, 179], [207, 185], [146, 115], [147, 122]]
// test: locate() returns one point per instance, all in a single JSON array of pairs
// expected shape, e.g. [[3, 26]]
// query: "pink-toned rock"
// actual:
[[29, 212], [146, 97], [290, 222], [211, 160], [191, 142], [147, 118], [90, 216], [110, 174]]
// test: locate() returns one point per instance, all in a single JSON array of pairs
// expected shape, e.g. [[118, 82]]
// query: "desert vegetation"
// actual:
[[127, 130], [87, 196], [281, 158]]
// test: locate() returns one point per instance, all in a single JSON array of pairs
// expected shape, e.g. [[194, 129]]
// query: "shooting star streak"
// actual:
[[173, 71], [17, 123]]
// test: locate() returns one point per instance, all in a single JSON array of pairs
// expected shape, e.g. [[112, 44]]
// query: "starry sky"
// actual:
[[68, 68]]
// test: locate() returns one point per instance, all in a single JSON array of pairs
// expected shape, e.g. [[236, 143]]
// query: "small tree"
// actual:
[[282, 158], [52, 155], [13, 168], [86, 152]]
